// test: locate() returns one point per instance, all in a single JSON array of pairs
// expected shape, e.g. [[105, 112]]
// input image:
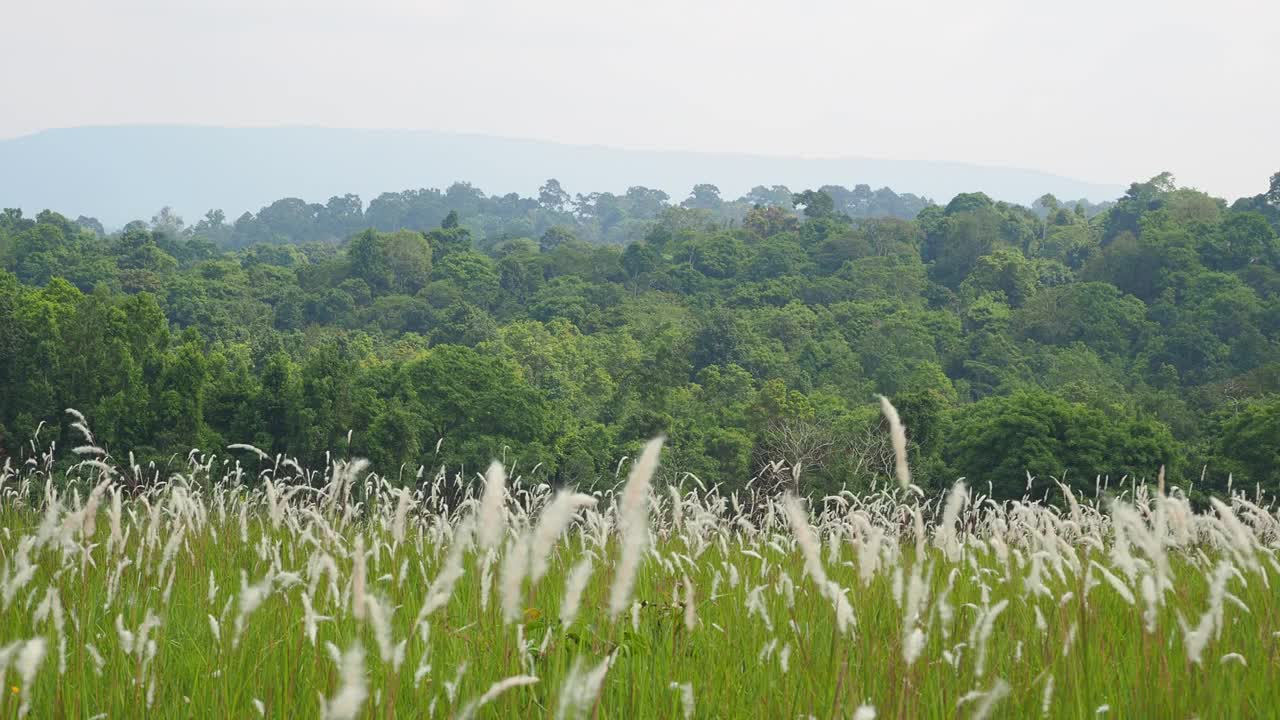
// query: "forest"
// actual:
[[558, 333]]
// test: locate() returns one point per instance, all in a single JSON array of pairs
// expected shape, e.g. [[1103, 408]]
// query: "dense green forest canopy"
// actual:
[[598, 217], [445, 328]]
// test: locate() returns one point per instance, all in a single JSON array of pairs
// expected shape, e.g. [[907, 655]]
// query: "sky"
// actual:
[[1106, 91]]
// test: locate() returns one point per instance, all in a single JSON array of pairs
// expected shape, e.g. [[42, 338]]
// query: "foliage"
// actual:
[[449, 327]]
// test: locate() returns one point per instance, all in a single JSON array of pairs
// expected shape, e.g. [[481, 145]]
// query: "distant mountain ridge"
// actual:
[[122, 173]]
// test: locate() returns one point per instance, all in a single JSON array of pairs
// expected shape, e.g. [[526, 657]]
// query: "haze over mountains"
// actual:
[[122, 173]]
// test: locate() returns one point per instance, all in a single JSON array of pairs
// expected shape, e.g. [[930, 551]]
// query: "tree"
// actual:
[[768, 220], [1004, 271], [901, 279], [179, 393], [1096, 314], [957, 243], [778, 256], [1141, 198], [891, 236], [639, 259], [1242, 239], [717, 256], [704, 197], [167, 221], [1249, 443], [473, 273], [1048, 202], [472, 404], [448, 240], [290, 219], [280, 402], [554, 237], [815, 203], [969, 203], [408, 257], [393, 443], [92, 225], [369, 261], [646, 203], [764, 197], [342, 215], [1073, 244], [1001, 439], [553, 197]]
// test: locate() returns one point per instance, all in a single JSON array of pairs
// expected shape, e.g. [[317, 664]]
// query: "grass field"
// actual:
[[229, 592]]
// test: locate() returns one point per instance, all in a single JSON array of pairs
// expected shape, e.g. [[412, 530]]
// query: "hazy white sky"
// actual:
[[1102, 90]]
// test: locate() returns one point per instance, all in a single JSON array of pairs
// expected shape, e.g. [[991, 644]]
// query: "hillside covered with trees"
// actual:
[[445, 328]]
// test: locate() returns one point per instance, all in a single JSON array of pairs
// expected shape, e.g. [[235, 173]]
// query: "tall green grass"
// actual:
[[766, 641]]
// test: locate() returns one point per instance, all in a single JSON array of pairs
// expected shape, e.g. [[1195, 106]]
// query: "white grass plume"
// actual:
[[116, 538], [402, 514], [1195, 639], [492, 521], [442, 586], [1152, 601], [984, 629], [514, 564], [574, 585], [913, 646], [346, 704], [686, 698], [898, 437], [380, 619], [551, 523], [690, 606], [496, 689], [358, 589], [799, 521], [945, 534], [90, 513], [310, 620], [1116, 583], [579, 691], [997, 693], [251, 597], [677, 509], [633, 520], [29, 659], [1233, 657]]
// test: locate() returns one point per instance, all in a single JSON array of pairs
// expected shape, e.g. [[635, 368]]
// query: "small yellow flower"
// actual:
[[14, 689], [532, 615]]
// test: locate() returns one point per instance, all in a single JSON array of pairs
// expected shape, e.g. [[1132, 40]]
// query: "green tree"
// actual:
[[814, 203], [472, 404], [958, 241], [1243, 238], [640, 259], [1004, 271], [1249, 443], [704, 197], [1096, 314], [1002, 439], [718, 256]]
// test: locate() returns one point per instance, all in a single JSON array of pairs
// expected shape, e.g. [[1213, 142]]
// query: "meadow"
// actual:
[[244, 585]]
